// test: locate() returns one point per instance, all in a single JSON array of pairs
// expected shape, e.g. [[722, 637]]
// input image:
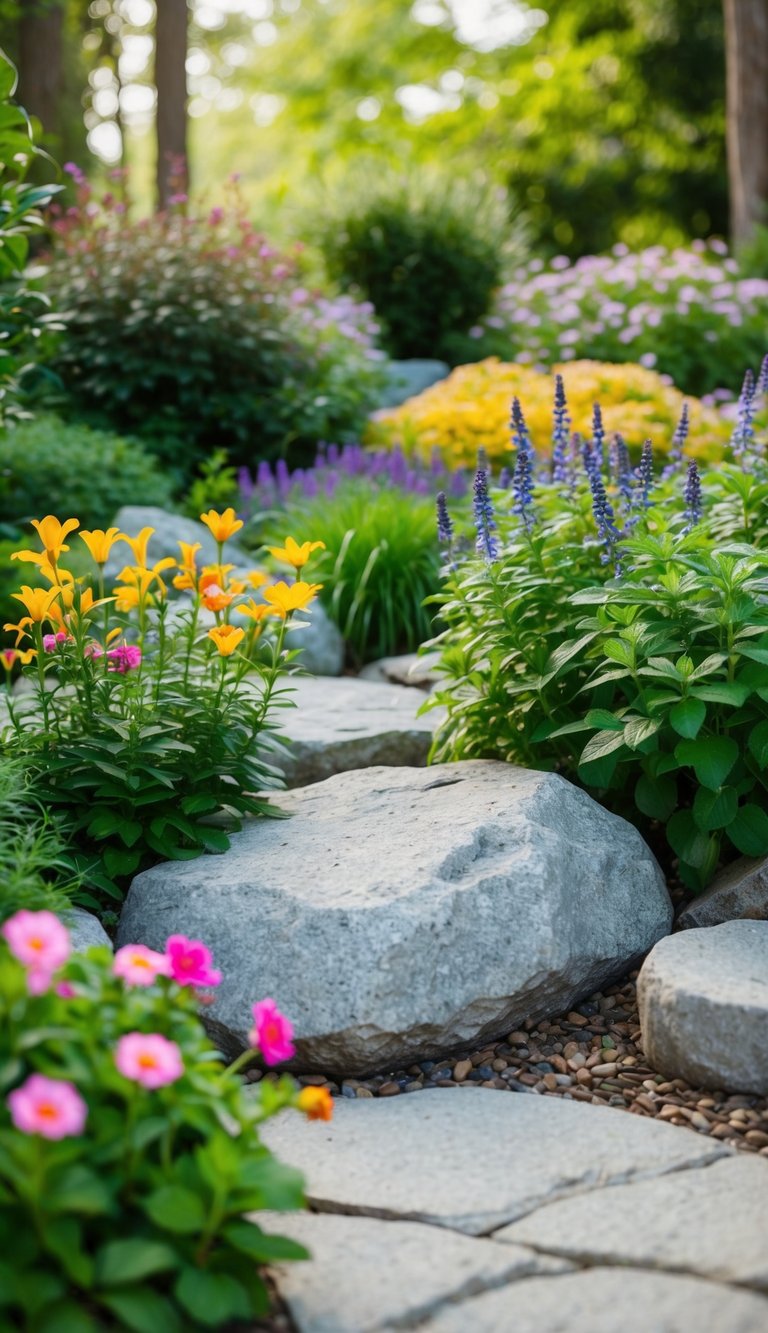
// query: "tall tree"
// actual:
[[171, 26], [41, 50], [746, 47]]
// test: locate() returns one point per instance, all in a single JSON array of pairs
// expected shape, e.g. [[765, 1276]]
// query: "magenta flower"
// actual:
[[271, 1034], [52, 641], [149, 1059], [50, 1107], [40, 942], [139, 966], [126, 657], [66, 990], [190, 962]]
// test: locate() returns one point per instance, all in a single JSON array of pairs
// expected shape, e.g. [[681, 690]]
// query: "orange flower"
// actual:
[[215, 599], [226, 638], [293, 554], [316, 1103], [285, 599], [222, 526], [100, 543]]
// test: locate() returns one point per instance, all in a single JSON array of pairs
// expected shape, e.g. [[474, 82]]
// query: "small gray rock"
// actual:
[[85, 930], [703, 1003], [415, 669], [740, 892], [408, 378], [404, 913]]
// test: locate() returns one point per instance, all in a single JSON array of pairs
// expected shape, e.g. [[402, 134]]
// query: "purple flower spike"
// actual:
[[444, 524], [604, 518], [598, 433], [621, 468], [678, 444], [282, 477], [485, 523], [644, 477], [560, 434], [522, 490], [762, 379], [692, 496], [245, 485], [743, 436], [521, 438], [505, 477]]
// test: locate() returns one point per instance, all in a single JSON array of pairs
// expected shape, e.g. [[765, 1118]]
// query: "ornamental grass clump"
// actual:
[[147, 723], [129, 1156], [615, 630]]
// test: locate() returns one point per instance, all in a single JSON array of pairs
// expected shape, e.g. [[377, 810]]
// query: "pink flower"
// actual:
[[126, 657], [38, 940], [190, 962], [52, 641], [271, 1033], [66, 991], [149, 1059], [139, 966], [47, 1106]]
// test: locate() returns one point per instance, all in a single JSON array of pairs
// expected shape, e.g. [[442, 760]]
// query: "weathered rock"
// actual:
[[366, 1274], [85, 930], [170, 529], [739, 892], [407, 378], [703, 1003], [430, 909], [605, 1300], [415, 669], [713, 1223], [321, 642], [344, 724], [474, 1160]]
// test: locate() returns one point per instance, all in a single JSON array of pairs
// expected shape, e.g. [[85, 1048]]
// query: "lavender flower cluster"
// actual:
[[274, 485]]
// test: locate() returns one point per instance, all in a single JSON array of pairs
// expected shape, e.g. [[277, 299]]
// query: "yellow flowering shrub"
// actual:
[[470, 410]]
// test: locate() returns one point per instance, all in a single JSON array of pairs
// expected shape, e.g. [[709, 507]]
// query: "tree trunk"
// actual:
[[746, 50], [171, 84], [40, 62]]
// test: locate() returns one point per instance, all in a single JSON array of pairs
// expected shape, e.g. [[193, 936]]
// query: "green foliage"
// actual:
[[428, 256], [194, 333], [33, 870], [648, 688], [379, 564], [214, 488], [90, 473], [23, 312], [136, 1222]]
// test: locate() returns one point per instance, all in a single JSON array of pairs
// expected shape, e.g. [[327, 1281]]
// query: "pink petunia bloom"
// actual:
[[66, 990], [52, 641], [149, 1059], [50, 1107], [38, 940], [271, 1034], [126, 657], [190, 962], [39, 980], [139, 966]]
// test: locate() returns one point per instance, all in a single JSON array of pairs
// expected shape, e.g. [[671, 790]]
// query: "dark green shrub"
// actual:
[[89, 473], [429, 259]]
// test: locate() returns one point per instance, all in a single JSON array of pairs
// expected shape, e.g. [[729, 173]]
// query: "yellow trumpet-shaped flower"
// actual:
[[50, 572], [215, 574], [256, 610], [222, 526], [187, 566], [140, 580], [226, 638], [138, 545], [52, 534], [100, 543], [285, 598], [126, 599], [36, 602], [293, 554], [256, 578]]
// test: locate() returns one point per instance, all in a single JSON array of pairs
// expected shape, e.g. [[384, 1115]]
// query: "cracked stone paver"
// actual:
[[713, 1222], [472, 1160]]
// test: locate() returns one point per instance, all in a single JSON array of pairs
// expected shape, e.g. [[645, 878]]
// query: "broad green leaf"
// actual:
[[142, 1310], [727, 692], [749, 830], [711, 757], [66, 1317], [251, 1240], [656, 797], [600, 745], [687, 717], [176, 1209], [714, 809], [639, 730], [78, 1189], [758, 744], [64, 1238], [212, 1298], [603, 718], [755, 654], [686, 839], [130, 1260]]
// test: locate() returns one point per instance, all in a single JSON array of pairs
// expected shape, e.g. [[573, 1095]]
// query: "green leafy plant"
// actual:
[[146, 731], [128, 1156], [627, 612], [34, 872], [429, 256], [215, 487], [90, 472]]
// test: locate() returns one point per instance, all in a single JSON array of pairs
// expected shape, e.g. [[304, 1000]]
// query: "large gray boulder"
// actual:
[[85, 930], [703, 1002], [740, 892], [170, 529], [404, 913]]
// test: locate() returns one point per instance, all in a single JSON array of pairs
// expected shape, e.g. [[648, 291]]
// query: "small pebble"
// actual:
[[389, 1090], [461, 1069]]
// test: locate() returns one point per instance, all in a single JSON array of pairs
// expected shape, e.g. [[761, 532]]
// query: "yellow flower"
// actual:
[[222, 526], [256, 578], [189, 552], [316, 1103], [100, 543], [8, 656], [138, 545], [36, 602], [226, 638], [52, 534], [139, 581], [284, 599], [126, 599], [293, 554], [256, 610]]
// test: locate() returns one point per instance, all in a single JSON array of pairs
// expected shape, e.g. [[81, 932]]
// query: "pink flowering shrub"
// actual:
[[129, 1156], [686, 313]]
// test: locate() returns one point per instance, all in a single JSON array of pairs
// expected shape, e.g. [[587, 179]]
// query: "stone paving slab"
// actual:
[[713, 1222], [366, 1274], [471, 1160], [345, 723], [607, 1300], [417, 670]]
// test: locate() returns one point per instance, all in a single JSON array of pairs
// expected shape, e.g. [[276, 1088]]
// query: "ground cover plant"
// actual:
[[189, 329], [34, 872], [146, 726], [469, 410], [689, 313], [128, 1155], [373, 511], [614, 628]]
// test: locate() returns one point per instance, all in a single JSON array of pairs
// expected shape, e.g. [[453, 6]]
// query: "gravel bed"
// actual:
[[594, 1053]]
